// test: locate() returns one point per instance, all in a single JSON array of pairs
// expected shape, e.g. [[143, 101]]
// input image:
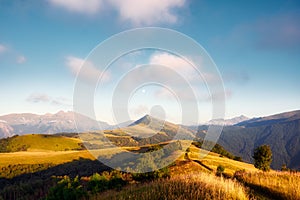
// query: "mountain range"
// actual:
[[240, 135], [280, 131], [25, 123], [228, 122]]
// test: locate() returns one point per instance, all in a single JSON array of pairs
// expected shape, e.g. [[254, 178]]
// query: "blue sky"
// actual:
[[255, 44]]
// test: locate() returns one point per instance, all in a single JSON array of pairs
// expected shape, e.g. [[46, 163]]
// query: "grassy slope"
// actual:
[[51, 149], [185, 186], [46, 150], [38, 142], [277, 185], [42, 152], [55, 157], [213, 160], [187, 177]]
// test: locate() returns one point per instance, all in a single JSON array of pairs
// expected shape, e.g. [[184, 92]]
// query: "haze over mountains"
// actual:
[[240, 135], [26, 123], [20, 124], [280, 131], [228, 122]]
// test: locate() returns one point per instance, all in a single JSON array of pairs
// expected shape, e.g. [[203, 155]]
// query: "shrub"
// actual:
[[67, 189], [263, 157], [284, 168], [97, 183], [149, 176], [238, 158], [220, 170], [105, 181]]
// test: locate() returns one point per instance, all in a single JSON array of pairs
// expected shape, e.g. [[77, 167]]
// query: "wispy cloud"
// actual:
[[181, 95], [199, 94], [74, 64], [148, 12], [61, 101], [3, 48], [89, 72], [38, 98], [175, 73], [185, 67], [282, 31], [21, 59], [89, 7], [178, 64], [139, 110], [136, 12], [13, 55], [44, 98], [238, 77]]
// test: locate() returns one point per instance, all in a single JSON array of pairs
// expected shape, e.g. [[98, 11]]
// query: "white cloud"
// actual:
[[181, 66], [182, 94], [139, 111], [148, 12], [13, 55], [38, 97], [74, 64], [163, 93], [2, 48], [136, 12], [186, 67], [44, 98], [89, 72], [79, 6], [176, 73], [21, 59], [61, 101]]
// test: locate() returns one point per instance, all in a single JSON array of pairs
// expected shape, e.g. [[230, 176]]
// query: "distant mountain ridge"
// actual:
[[280, 131], [25, 123], [277, 118], [149, 128], [228, 122], [144, 131]]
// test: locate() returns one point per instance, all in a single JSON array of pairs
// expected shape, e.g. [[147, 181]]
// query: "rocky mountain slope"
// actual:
[[20, 124]]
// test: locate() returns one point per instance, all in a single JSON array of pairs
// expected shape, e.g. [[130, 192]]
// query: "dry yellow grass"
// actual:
[[283, 185], [55, 157], [190, 186], [187, 167], [213, 160]]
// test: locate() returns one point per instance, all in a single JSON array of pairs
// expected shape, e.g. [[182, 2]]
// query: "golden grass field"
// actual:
[[33, 156], [54, 157], [195, 185], [192, 177], [284, 185]]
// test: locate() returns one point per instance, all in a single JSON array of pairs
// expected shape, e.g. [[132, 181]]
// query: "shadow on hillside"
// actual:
[[81, 167], [36, 185]]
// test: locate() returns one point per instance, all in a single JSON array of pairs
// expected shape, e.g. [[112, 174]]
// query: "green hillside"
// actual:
[[39, 142]]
